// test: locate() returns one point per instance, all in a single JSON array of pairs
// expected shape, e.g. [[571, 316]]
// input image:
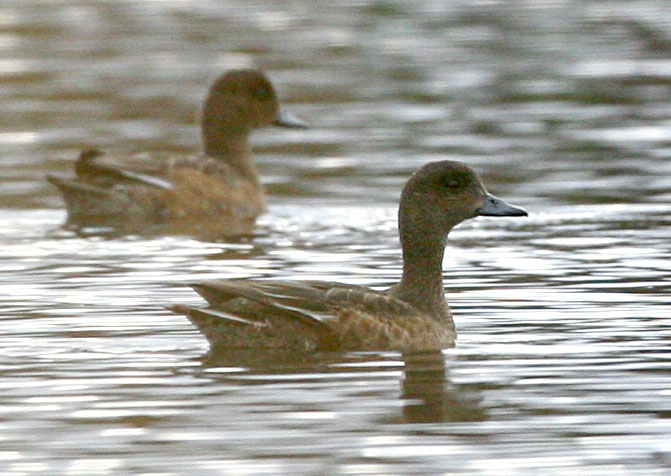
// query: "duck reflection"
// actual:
[[427, 394]]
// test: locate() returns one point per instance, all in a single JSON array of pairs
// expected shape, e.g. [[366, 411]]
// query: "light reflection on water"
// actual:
[[562, 359]]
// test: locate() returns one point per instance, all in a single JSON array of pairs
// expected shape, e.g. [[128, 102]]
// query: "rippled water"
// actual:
[[562, 362]]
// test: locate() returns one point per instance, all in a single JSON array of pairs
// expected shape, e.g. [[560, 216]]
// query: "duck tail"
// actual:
[[218, 327], [88, 202]]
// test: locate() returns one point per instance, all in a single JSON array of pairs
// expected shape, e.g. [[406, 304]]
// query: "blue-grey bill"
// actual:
[[495, 207], [285, 119]]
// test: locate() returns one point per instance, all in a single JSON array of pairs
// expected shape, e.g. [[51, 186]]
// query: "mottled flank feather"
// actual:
[[317, 315]]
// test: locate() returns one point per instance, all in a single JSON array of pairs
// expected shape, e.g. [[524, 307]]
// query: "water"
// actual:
[[562, 362]]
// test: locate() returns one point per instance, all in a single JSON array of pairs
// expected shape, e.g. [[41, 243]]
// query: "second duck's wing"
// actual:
[[152, 169], [92, 168]]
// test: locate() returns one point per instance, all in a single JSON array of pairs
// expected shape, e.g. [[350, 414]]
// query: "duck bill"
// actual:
[[495, 207], [285, 119]]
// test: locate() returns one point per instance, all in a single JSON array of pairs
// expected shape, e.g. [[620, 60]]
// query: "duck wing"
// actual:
[[151, 169], [152, 172], [308, 315], [298, 300]]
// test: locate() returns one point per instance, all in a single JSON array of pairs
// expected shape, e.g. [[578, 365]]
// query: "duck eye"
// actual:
[[451, 183], [261, 93]]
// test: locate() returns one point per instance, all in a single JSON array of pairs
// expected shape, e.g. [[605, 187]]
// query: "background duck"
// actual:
[[309, 316], [218, 190]]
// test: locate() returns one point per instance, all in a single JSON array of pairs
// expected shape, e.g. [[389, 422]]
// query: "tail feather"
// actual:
[[204, 316], [219, 328], [88, 202], [225, 331]]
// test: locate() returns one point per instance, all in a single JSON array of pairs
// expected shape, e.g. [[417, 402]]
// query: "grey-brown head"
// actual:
[[443, 194], [239, 101]]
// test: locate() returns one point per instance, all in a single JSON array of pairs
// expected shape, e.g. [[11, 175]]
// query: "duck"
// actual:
[[217, 189], [315, 316]]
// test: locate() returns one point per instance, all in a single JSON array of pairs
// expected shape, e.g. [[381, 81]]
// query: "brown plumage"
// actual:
[[309, 316], [218, 190]]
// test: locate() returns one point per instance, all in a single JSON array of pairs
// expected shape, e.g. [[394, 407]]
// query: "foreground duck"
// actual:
[[219, 188], [310, 316]]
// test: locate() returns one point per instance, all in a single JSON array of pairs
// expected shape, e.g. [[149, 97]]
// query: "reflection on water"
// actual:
[[562, 362], [429, 396]]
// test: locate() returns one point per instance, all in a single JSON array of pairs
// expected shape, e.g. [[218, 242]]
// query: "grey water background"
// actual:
[[562, 364]]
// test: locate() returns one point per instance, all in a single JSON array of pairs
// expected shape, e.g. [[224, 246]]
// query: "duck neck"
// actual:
[[422, 282], [231, 145]]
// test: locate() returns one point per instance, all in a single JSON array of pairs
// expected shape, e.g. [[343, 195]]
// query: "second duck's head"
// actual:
[[239, 101]]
